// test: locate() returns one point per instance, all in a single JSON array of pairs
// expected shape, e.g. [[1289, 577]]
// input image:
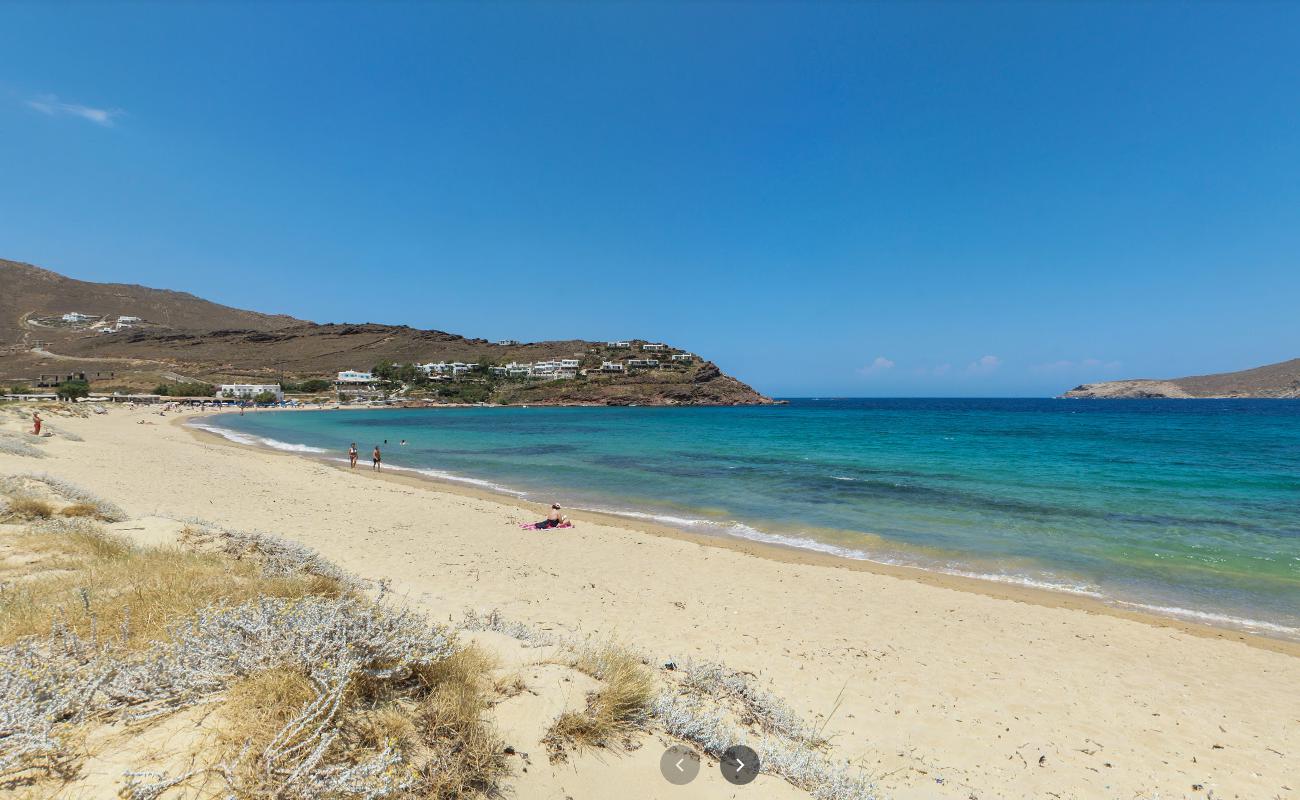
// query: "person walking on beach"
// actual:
[[376, 459], [352, 455], [36, 423]]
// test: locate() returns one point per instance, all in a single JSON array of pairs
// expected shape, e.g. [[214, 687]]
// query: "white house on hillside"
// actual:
[[76, 316], [643, 362], [654, 347], [683, 357], [247, 391], [352, 376], [611, 366], [508, 342], [622, 345]]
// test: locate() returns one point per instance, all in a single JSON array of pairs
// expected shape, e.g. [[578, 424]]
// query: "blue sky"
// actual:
[[828, 199]]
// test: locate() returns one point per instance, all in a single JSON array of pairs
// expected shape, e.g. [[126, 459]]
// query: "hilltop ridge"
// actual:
[[1281, 380], [130, 337]]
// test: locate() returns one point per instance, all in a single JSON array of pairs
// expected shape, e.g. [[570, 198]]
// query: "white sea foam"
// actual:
[[1217, 619], [742, 531], [245, 438]]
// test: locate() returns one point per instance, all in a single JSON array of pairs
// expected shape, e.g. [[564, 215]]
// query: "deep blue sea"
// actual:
[[1185, 507]]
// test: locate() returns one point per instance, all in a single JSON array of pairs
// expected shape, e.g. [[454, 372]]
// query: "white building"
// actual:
[[352, 376], [247, 391], [653, 347], [611, 366], [445, 368], [643, 362], [128, 320], [75, 316], [508, 342], [568, 363], [683, 357], [621, 345]]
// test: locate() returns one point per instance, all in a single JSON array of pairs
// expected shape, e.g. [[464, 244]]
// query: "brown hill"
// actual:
[[1280, 380], [178, 336], [28, 292]]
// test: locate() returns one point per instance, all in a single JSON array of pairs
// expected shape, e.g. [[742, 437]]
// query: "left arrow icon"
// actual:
[[679, 765]]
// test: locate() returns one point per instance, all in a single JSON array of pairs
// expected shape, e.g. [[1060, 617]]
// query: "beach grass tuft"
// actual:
[[109, 512], [706, 704], [620, 706], [23, 509], [80, 510]]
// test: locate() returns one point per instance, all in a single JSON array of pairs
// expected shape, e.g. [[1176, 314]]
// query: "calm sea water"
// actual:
[[1190, 508]]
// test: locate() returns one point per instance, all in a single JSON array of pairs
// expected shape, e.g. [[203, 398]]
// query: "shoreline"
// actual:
[[789, 554], [999, 691]]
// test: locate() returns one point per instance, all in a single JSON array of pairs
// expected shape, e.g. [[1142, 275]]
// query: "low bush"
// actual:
[[27, 508]]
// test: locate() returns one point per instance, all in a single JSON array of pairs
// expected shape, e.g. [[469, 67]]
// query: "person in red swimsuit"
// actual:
[[36, 423]]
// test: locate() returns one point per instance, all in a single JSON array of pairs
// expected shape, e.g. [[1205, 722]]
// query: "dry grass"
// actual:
[[621, 706], [80, 510], [435, 719], [27, 509], [97, 583], [412, 725]]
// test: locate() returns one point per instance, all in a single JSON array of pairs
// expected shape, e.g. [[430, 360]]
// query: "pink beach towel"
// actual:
[[532, 526]]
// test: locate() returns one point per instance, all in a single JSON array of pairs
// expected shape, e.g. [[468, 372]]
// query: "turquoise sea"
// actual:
[[1187, 508]]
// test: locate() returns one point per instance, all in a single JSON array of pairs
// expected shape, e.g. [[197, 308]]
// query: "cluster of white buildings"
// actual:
[[445, 368], [247, 391], [101, 324], [555, 369], [649, 347]]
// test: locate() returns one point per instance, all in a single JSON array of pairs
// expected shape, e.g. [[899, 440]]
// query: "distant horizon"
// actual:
[[890, 200], [705, 353]]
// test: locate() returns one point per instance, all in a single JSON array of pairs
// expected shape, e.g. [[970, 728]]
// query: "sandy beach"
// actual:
[[935, 687]]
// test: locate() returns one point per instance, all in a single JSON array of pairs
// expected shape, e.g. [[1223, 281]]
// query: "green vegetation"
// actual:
[[19, 388], [185, 389], [264, 397], [465, 392], [310, 386], [72, 390]]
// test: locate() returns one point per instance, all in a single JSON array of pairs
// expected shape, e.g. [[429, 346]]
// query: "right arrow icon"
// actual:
[[739, 765]]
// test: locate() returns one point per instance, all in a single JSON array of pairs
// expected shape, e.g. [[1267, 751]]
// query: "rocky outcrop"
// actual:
[[1275, 381]]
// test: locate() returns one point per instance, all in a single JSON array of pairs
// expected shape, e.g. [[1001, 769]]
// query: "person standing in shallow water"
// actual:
[[376, 459], [352, 455]]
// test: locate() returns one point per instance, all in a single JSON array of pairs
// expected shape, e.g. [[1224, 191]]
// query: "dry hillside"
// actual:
[[179, 336], [1281, 380]]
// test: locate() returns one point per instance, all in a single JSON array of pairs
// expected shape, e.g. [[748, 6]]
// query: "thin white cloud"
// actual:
[[881, 364], [54, 107], [984, 365]]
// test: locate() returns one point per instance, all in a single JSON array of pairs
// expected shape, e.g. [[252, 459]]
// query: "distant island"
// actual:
[[127, 338], [1279, 381]]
